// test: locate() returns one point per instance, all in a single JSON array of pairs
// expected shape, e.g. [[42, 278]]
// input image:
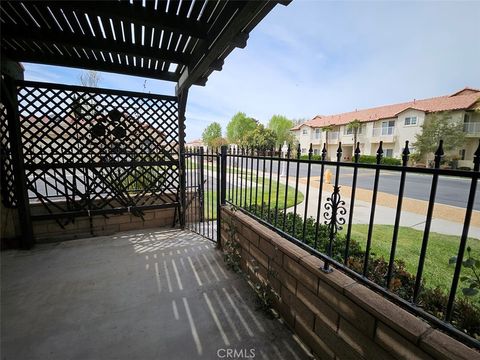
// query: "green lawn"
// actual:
[[437, 271], [211, 196]]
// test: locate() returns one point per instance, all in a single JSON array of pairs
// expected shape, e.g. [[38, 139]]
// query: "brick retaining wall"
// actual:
[[81, 227], [50, 230], [337, 317]]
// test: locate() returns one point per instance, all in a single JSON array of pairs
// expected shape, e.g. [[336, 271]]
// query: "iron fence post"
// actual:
[[201, 185], [221, 190], [222, 175]]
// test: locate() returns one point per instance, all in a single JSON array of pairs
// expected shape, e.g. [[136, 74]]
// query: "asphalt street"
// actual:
[[450, 191]]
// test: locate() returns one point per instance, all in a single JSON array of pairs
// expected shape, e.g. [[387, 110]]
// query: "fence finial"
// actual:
[[339, 151], [380, 152], [439, 154], [405, 154], [324, 152], [288, 151], [299, 151], [357, 152], [476, 158], [310, 151]]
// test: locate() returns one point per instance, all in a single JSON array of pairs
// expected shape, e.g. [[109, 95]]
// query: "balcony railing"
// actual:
[[317, 139], [263, 184], [383, 131], [333, 136], [472, 128]]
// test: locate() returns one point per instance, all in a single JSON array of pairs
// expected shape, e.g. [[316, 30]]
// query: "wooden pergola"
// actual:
[[182, 41]]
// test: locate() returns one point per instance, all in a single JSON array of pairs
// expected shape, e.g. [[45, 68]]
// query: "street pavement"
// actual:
[[448, 217], [450, 191]]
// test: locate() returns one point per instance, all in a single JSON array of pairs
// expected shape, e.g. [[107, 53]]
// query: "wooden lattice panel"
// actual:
[[7, 180], [90, 149]]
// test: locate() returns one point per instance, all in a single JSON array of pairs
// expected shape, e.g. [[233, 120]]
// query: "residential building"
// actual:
[[197, 143], [393, 124]]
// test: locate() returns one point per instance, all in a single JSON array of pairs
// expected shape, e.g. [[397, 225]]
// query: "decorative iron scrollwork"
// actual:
[[334, 216]]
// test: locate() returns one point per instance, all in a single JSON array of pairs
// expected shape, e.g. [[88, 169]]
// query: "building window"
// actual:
[[304, 150], [316, 151], [461, 153], [389, 153], [411, 120], [388, 127], [318, 132], [304, 131], [466, 118], [349, 131]]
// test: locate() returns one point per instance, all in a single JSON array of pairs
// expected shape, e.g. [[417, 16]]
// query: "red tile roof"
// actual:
[[463, 99]]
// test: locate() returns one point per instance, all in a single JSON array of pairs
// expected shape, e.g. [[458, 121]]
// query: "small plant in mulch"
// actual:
[[472, 279], [231, 248], [266, 295]]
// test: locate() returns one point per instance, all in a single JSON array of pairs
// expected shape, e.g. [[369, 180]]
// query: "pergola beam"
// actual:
[[58, 60], [51, 37], [136, 14], [232, 35]]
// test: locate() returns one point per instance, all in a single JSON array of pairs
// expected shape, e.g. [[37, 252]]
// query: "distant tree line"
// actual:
[[249, 133]]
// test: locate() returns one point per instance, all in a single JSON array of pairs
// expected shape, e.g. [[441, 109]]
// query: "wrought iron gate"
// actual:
[[203, 192], [90, 151]]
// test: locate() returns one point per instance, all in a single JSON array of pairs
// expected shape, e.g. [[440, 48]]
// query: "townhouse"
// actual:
[[393, 124]]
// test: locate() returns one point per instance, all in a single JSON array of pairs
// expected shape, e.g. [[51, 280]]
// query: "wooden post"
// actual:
[[182, 105], [10, 72]]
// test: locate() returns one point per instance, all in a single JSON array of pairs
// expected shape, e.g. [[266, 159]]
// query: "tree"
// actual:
[[80, 107], [281, 126], [211, 134], [327, 129], [90, 78], [439, 127], [354, 125], [239, 127], [261, 138], [218, 142]]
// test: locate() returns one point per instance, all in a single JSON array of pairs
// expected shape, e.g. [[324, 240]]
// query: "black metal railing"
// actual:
[[202, 174], [277, 188]]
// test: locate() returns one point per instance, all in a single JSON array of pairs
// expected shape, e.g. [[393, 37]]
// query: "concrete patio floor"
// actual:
[[161, 294]]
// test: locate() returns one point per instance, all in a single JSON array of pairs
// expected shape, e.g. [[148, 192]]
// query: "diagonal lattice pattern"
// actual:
[[90, 149], [7, 180]]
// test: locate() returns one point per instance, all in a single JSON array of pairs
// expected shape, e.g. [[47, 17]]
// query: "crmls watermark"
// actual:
[[236, 353]]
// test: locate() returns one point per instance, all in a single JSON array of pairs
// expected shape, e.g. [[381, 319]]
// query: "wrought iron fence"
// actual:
[[291, 196], [203, 186]]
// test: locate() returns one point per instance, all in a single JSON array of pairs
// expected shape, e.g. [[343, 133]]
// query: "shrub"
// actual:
[[466, 315], [472, 280], [314, 157], [402, 282], [372, 159]]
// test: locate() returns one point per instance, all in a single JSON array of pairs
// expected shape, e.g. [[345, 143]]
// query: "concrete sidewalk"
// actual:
[[413, 211], [446, 219], [159, 294]]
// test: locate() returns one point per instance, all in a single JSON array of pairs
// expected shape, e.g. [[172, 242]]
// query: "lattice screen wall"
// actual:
[[6, 171], [97, 150]]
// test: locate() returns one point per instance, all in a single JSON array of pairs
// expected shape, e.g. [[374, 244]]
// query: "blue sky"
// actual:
[[316, 57]]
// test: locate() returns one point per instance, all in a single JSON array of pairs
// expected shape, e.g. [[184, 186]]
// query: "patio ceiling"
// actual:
[[180, 41]]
